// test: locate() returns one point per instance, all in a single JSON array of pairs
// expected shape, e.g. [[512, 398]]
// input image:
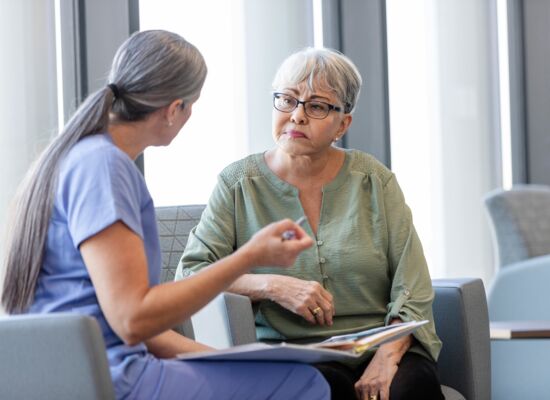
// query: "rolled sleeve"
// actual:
[[411, 295]]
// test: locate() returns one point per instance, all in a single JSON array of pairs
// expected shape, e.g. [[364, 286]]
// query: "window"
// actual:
[[185, 172], [243, 43]]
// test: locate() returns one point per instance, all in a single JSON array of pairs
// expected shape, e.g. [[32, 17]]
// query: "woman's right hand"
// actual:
[[267, 248], [306, 298]]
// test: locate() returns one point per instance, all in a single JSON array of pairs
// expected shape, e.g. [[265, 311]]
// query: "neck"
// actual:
[[320, 168], [129, 137]]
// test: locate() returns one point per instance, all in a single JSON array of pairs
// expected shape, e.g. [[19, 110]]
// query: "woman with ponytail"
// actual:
[[83, 237]]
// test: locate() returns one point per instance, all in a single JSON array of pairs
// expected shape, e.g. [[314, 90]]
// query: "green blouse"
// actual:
[[367, 252]]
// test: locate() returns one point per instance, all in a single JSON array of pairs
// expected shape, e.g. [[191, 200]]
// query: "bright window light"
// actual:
[[185, 172], [504, 89], [59, 66], [318, 23]]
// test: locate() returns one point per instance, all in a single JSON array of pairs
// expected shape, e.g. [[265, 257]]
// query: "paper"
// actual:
[[360, 342], [345, 347], [269, 352]]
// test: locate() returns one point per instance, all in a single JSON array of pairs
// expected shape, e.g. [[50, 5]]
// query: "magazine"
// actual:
[[340, 347]]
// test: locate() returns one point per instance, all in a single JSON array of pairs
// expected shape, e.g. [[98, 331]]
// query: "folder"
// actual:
[[336, 348]]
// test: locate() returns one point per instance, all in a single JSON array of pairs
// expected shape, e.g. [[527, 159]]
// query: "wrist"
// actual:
[[270, 287], [245, 258], [394, 350]]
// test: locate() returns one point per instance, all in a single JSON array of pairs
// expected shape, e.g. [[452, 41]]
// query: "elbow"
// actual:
[[131, 332]]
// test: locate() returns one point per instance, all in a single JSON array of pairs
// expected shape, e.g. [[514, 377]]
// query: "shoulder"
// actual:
[[95, 161], [245, 168], [97, 152], [369, 166]]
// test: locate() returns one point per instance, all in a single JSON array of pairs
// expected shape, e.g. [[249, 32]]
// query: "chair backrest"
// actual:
[[462, 322], [174, 224], [520, 218], [53, 356]]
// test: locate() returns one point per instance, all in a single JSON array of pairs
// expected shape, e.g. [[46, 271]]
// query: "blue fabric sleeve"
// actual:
[[98, 190]]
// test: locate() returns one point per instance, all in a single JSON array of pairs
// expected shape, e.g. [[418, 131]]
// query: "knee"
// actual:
[[315, 385], [416, 379]]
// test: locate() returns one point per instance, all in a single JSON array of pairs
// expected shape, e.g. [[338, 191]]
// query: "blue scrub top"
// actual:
[[98, 185]]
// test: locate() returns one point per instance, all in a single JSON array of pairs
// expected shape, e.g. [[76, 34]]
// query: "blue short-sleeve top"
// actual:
[[98, 185]]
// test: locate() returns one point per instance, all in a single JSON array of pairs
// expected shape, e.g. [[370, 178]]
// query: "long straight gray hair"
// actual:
[[150, 70]]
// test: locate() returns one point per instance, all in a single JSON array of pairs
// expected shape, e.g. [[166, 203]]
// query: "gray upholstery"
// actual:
[[462, 323], [520, 292], [460, 311], [226, 321], [174, 224], [520, 219], [53, 356]]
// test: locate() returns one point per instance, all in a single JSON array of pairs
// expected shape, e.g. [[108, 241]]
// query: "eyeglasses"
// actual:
[[314, 109]]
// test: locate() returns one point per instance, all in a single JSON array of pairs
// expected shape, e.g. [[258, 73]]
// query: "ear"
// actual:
[[344, 125], [172, 109]]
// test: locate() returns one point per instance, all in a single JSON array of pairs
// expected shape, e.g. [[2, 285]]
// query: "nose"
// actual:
[[298, 116]]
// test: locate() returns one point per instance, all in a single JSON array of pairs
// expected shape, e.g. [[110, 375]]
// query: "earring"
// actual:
[[170, 123]]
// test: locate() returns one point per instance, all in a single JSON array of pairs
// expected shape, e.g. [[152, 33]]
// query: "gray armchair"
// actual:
[[174, 224], [520, 219], [53, 356], [460, 311]]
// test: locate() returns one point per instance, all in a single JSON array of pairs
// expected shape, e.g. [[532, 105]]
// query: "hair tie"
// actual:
[[114, 89]]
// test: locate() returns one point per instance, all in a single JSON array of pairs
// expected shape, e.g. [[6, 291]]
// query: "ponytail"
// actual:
[[33, 204]]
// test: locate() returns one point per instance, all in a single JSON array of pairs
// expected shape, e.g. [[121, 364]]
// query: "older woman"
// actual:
[[367, 268]]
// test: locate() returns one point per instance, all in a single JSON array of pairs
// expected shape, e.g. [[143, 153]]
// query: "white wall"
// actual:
[[28, 103], [444, 126]]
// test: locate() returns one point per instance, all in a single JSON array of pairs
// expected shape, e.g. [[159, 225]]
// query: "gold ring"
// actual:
[[373, 397], [316, 310]]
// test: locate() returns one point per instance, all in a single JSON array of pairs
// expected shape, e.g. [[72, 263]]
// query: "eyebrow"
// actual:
[[312, 97]]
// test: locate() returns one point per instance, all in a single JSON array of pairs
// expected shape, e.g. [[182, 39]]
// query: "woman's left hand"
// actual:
[[375, 382]]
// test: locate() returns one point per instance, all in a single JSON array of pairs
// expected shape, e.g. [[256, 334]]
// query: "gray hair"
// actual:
[[150, 70], [325, 69]]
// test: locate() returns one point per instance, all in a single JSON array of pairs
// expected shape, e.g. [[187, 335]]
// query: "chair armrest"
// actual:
[[462, 323], [519, 291], [53, 356], [226, 321]]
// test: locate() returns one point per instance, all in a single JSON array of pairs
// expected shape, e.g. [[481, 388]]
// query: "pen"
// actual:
[[289, 235]]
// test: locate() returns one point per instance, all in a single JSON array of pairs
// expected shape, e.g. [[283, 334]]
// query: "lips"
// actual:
[[295, 134]]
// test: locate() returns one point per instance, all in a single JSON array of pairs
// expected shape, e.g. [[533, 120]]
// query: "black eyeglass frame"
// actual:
[[303, 103]]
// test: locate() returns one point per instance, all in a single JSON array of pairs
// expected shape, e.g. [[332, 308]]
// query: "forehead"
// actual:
[[306, 90]]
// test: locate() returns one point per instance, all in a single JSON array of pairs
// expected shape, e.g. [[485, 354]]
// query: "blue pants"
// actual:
[[173, 379]]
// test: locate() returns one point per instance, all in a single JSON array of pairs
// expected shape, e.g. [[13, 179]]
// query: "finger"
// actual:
[[361, 392], [319, 315], [287, 225], [371, 394], [307, 314], [326, 312], [327, 296], [283, 225]]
